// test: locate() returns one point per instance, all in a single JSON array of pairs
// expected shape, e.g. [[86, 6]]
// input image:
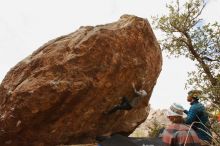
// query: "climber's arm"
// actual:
[[141, 93]]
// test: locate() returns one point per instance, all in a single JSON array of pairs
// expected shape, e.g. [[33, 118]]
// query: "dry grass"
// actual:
[[215, 142]]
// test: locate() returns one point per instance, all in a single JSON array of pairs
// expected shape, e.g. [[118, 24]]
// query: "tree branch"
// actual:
[[209, 59], [200, 60]]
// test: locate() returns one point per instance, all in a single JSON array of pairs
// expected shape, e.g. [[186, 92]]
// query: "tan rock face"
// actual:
[[58, 94]]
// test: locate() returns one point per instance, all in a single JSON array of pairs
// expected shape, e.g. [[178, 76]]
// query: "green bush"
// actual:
[[155, 128]]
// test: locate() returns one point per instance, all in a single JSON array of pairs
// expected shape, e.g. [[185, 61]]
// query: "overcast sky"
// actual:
[[25, 25]]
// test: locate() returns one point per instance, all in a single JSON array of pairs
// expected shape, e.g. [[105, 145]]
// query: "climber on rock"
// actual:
[[126, 104]]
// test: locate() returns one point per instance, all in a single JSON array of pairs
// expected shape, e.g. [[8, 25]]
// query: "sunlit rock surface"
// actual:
[[58, 94]]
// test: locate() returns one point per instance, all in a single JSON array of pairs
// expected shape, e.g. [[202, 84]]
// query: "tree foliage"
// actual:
[[186, 34]]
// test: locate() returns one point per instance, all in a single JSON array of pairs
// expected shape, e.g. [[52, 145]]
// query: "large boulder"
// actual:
[[58, 94]]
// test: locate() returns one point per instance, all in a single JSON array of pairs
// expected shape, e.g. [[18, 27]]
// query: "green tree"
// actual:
[[187, 35], [154, 129]]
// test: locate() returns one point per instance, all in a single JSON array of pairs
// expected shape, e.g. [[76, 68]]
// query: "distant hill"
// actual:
[[157, 116]]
